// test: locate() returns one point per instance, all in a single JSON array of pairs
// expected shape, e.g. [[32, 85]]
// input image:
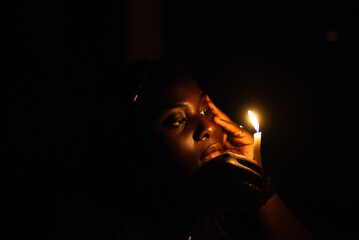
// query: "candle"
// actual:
[[257, 137]]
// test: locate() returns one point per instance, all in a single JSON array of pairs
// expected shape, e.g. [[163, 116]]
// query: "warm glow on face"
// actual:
[[254, 120]]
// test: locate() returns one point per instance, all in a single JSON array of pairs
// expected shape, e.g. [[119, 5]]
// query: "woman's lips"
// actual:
[[211, 152], [211, 156]]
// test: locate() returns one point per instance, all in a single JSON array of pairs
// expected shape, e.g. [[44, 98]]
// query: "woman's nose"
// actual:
[[205, 129]]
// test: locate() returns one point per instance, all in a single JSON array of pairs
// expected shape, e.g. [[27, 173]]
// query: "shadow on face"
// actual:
[[184, 125]]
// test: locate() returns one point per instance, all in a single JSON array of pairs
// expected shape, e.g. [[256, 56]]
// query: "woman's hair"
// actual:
[[132, 99], [135, 86], [151, 77], [136, 96]]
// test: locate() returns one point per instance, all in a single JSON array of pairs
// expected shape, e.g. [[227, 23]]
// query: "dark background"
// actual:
[[294, 63]]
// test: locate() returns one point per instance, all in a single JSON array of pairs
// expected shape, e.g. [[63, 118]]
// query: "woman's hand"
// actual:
[[229, 182], [236, 139]]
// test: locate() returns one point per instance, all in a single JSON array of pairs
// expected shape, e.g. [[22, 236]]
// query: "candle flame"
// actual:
[[254, 120]]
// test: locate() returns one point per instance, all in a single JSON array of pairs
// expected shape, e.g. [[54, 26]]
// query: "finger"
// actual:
[[216, 111], [229, 126], [243, 138]]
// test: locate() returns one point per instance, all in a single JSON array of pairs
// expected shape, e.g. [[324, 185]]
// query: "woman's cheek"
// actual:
[[180, 147], [183, 152]]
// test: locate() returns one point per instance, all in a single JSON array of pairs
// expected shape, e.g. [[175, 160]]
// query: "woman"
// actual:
[[195, 173]]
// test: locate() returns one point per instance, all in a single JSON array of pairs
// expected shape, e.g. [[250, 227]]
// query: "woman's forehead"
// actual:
[[181, 89]]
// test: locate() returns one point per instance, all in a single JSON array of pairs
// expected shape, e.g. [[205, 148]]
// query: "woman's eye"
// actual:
[[180, 122], [206, 111], [176, 122]]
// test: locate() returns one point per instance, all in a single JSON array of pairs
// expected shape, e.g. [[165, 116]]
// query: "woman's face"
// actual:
[[185, 125]]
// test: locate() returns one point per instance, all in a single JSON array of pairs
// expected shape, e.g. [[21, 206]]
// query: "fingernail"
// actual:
[[220, 119]]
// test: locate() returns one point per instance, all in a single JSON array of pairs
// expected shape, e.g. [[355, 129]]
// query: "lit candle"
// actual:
[[257, 137]]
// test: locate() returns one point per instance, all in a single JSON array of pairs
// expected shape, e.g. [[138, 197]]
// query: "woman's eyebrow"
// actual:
[[182, 105], [178, 105], [165, 109]]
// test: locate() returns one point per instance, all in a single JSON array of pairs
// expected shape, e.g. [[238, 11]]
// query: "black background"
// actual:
[[294, 63]]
